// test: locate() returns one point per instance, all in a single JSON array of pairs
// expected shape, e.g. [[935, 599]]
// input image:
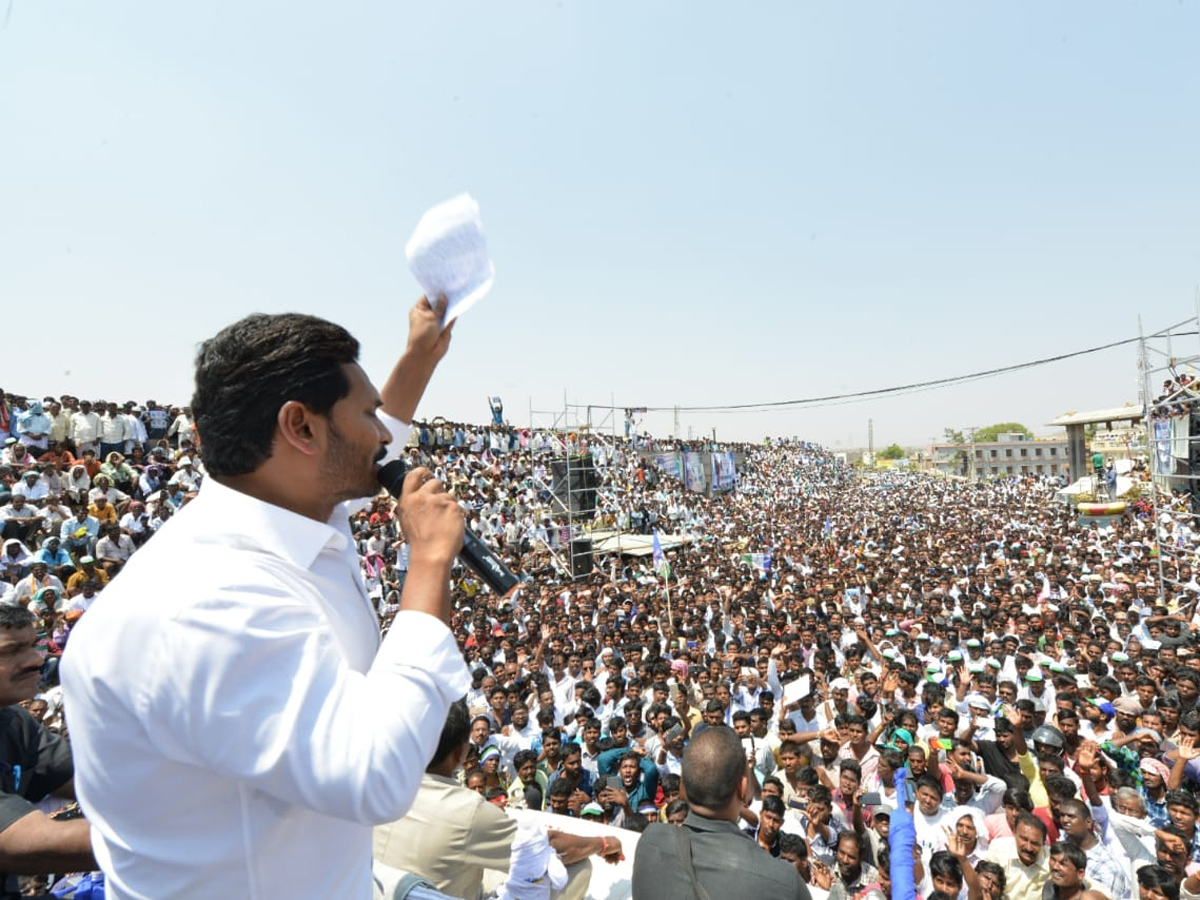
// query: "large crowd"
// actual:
[[1035, 676]]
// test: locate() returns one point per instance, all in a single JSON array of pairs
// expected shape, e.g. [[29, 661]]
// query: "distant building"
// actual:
[[1011, 454], [1075, 423]]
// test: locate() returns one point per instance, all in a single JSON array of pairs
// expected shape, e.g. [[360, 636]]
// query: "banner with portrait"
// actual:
[[693, 472], [724, 474], [669, 464]]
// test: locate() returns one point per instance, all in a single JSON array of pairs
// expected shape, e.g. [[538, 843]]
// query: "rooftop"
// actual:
[[1127, 413]]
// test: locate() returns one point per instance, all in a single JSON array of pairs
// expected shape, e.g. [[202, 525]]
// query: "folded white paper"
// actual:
[[448, 255], [795, 691]]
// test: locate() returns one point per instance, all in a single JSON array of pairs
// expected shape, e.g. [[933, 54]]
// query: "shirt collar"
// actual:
[[699, 823], [290, 535]]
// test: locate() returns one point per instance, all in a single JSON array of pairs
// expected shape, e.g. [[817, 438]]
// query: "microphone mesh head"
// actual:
[[391, 476]]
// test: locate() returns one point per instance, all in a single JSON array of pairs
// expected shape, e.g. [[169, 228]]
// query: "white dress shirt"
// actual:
[[260, 730]]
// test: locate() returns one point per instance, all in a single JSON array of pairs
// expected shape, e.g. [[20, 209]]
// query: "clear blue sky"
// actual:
[[687, 202]]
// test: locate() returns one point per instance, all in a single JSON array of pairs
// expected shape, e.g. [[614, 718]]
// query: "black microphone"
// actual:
[[475, 553]]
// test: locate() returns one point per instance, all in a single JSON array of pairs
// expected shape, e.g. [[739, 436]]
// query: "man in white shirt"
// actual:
[[85, 428], [275, 727]]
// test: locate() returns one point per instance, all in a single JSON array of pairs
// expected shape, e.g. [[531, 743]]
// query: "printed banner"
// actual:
[[1162, 441], [693, 471], [669, 464], [723, 471]]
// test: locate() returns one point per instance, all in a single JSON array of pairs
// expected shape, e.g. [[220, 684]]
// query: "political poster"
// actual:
[[693, 471], [723, 472], [669, 464]]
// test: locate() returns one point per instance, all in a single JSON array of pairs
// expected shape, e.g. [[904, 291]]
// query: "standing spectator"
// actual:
[[114, 431], [710, 849], [85, 429], [268, 708]]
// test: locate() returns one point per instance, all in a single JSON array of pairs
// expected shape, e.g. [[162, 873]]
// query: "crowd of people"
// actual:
[[1033, 676]]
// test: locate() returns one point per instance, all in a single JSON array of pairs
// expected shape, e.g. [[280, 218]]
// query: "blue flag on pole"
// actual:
[[660, 562]]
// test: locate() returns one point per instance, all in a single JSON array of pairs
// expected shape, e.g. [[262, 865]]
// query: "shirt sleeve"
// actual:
[[489, 843], [55, 766], [272, 702]]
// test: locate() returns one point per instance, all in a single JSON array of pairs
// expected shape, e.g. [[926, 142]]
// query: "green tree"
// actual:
[[953, 436], [992, 432], [895, 451]]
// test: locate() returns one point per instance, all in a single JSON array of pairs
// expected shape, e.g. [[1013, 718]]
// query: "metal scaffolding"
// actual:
[[582, 455], [1169, 363]]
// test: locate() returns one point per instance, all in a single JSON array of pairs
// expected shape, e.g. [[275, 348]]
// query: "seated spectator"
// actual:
[[114, 549]]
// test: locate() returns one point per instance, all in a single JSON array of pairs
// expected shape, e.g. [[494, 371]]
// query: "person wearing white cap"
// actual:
[[185, 474], [979, 709]]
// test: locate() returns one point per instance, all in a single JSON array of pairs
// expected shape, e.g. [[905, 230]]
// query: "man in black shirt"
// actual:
[[1000, 757], [709, 849], [34, 764]]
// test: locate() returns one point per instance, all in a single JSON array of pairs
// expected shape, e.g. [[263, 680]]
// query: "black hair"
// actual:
[[677, 805], [250, 369], [774, 805], [1174, 829], [793, 844], [1018, 798], [930, 782], [560, 787], [943, 864], [522, 757], [1183, 798], [1060, 787], [713, 765], [991, 868], [455, 732], [13, 617], [1028, 818], [1155, 877], [1073, 854]]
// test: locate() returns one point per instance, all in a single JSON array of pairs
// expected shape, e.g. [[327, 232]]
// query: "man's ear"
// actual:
[[300, 428]]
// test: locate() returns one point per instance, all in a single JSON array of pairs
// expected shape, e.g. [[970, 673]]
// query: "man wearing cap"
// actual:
[[88, 571], [1098, 715], [185, 474]]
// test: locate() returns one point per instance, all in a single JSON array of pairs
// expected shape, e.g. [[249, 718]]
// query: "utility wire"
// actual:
[[912, 387]]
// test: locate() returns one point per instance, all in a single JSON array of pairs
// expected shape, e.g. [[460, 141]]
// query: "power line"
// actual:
[[912, 387]]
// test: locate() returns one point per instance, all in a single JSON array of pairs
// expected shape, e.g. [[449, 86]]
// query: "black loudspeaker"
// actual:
[[581, 557], [574, 483], [1194, 460]]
